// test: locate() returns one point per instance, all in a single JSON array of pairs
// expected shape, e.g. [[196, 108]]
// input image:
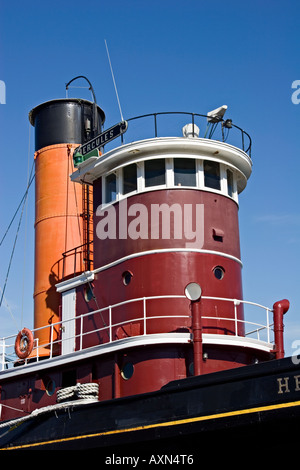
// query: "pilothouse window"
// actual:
[[212, 174], [229, 183], [170, 172], [110, 188], [155, 172], [129, 178], [184, 172]]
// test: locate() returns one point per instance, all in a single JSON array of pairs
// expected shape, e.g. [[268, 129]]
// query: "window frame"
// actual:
[[105, 192], [170, 178], [165, 179], [195, 174], [220, 175], [122, 182]]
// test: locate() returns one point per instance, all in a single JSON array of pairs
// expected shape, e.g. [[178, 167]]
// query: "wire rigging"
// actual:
[[112, 73], [9, 309], [31, 179], [25, 237], [12, 253], [23, 200]]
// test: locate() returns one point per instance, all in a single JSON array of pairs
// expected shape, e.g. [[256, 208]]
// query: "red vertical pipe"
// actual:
[[117, 385], [279, 309], [197, 336]]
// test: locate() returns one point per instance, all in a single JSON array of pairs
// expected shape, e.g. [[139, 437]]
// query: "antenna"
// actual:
[[112, 73]]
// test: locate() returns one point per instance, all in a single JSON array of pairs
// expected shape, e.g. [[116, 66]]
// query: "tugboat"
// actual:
[[142, 341]]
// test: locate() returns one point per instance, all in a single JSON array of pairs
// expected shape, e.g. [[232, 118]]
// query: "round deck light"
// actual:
[[193, 291]]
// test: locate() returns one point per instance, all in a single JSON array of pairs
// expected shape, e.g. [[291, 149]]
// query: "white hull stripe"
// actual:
[[166, 250]]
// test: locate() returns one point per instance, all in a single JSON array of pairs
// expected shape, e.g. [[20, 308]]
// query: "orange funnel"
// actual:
[[58, 229], [60, 127]]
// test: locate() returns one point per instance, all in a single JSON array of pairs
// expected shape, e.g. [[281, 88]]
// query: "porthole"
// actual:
[[126, 277], [191, 369], [88, 292], [127, 371], [49, 386], [219, 272]]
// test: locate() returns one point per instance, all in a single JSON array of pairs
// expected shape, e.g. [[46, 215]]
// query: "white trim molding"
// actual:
[[166, 250], [132, 342], [84, 278]]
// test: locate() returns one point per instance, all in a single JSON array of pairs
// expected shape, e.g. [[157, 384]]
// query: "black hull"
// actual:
[[255, 405]]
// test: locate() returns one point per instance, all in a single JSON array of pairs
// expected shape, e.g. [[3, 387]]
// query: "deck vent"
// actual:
[[190, 130]]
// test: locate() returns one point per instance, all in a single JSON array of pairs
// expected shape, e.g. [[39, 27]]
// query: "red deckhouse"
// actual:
[[137, 257]]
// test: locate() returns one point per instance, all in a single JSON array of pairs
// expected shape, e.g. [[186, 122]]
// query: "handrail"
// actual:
[[7, 348], [77, 250], [210, 129]]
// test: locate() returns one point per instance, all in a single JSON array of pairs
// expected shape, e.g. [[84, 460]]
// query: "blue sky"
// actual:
[[166, 56]]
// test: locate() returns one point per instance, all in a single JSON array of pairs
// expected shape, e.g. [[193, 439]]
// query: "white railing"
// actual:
[[261, 330]]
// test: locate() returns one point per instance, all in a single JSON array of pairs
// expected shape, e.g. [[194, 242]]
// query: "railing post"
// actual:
[[75, 256], [63, 268], [236, 302], [145, 315], [51, 342], [155, 124], [110, 327], [3, 354], [37, 349], [268, 325], [81, 332], [279, 309]]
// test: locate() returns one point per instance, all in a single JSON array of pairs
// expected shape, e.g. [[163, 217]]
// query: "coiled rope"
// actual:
[[87, 391], [68, 406]]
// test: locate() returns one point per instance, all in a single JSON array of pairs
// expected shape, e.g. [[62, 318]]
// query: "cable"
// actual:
[[12, 253], [17, 210], [24, 199], [114, 80], [11, 314]]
